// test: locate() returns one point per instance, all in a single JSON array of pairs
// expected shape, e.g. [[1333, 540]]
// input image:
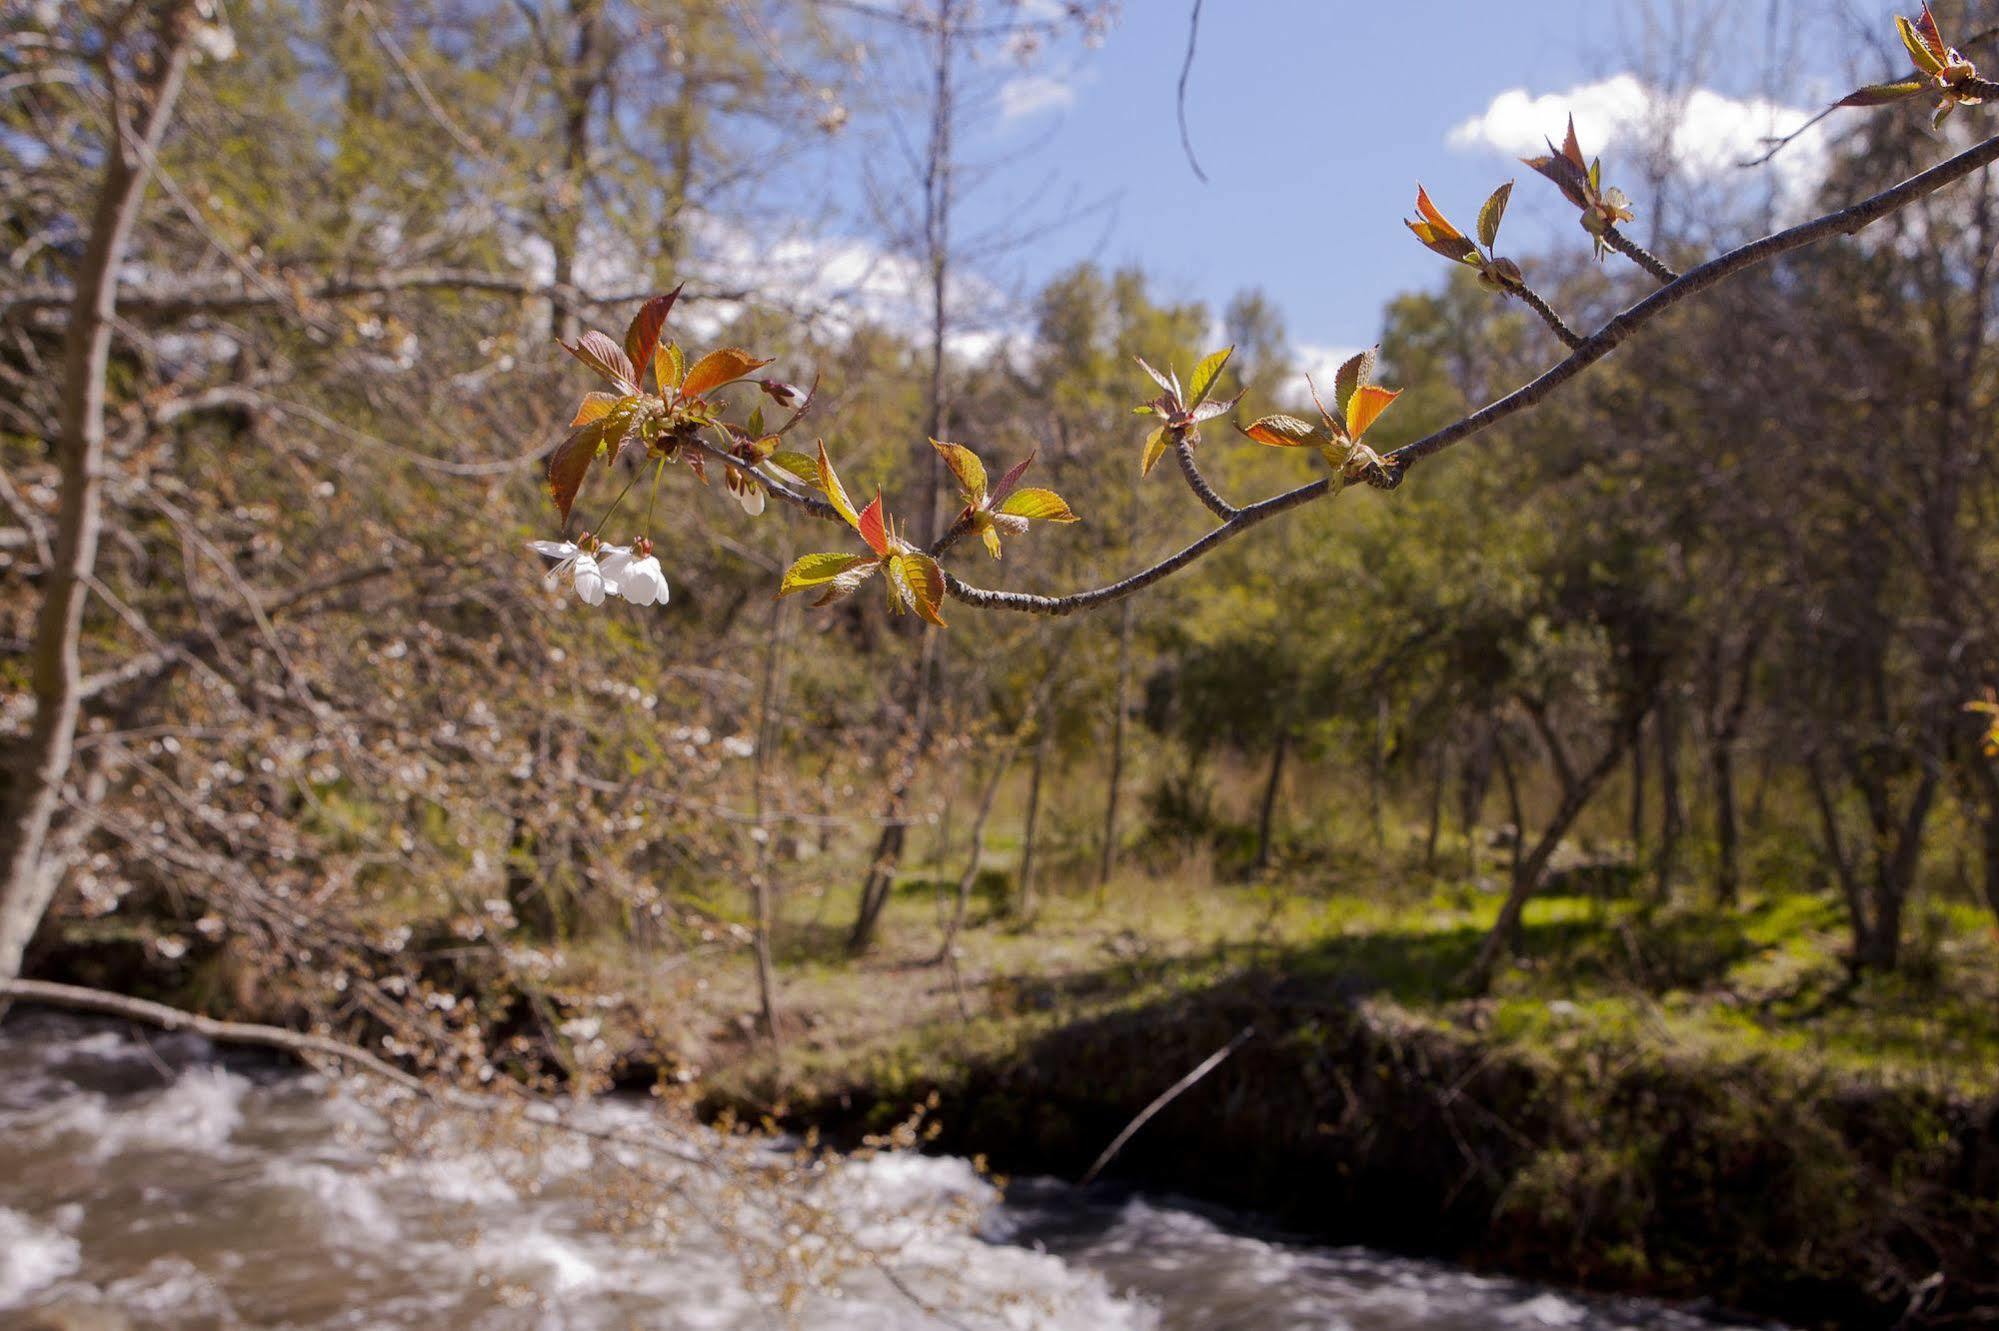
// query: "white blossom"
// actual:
[[643, 582], [751, 497]]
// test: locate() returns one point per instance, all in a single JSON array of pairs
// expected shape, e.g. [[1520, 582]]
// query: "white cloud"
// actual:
[[1711, 133], [1031, 94], [1319, 361]]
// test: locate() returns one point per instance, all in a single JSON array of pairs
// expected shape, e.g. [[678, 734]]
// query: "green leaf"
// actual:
[[669, 365], [796, 464], [1205, 375], [1492, 213], [836, 493], [1155, 448], [606, 357], [1035, 502], [919, 578], [642, 337], [818, 570], [1927, 60], [966, 467], [1880, 94]]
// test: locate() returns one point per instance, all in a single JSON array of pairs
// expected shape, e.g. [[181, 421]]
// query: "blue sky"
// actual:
[[1314, 120]]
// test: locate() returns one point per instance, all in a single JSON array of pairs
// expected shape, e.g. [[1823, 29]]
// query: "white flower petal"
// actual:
[[554, 549], [589, 581], [751, 497]]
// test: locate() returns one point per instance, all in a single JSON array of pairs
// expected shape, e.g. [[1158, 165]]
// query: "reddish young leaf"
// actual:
[[717, 368], [1926, 45], [873, 527], [595, 407], [1366, 406], [607, 358], [1171, 387], [1282, 432], [1012, 478], [570, 463], [643, 334]]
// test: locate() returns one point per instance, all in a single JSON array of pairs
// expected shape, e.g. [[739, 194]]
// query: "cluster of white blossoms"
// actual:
[[597, 570]]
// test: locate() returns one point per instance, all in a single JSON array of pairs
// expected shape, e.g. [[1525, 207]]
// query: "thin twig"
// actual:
[[1203, 491], [1532, 300], [1186, 69], [1171, 1094], [1639, 255]]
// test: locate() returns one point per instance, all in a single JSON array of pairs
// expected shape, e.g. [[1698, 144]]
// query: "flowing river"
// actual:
[[153, 1183]]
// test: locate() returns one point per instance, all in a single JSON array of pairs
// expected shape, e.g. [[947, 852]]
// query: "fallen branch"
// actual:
[[1171, 1094]]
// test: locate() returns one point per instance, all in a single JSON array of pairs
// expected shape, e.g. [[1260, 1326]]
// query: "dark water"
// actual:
[[151, 1184]]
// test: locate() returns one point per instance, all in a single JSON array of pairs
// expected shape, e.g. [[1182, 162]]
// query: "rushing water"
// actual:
[[152, 1181]]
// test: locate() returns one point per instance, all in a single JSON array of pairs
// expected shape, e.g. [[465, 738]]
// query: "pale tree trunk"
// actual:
[[987, 798], [938, 186], [56, 666]]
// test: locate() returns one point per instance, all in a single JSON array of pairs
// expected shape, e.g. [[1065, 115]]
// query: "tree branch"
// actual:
[[76, 998], [1845, 221]]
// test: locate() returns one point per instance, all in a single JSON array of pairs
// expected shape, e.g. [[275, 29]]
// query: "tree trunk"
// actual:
[[1727, 826], [1025, 899], [1578, 790], [894, 836], [1119, 705], [1267, 814], [987, 798], [1440, 769], [1638, 803], [56, 664], [1672, 812], [1991, 824]]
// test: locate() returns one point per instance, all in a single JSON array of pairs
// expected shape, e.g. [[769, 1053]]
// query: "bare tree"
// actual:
[[143, 71]]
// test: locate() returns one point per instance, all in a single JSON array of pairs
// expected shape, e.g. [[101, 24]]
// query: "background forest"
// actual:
[[1685, 664]]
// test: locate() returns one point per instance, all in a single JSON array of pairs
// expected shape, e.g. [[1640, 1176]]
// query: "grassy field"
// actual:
[[1684, 980]]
